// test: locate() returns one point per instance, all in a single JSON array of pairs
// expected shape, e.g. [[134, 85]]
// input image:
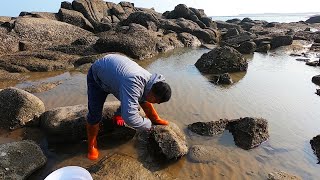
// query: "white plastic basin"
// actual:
[[70, 173]]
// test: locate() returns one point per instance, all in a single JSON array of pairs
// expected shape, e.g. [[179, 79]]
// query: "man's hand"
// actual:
[[118, 120], [152, 114]]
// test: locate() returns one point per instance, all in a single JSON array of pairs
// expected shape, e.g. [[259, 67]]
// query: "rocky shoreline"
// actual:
[[83, 31]]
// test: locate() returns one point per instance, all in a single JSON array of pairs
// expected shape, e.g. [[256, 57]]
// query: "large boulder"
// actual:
[[66, 5], [207, 35], [247, 47], [249, 132], [75, 18], [221, 60], [68, 124], [231, 33], [18, 107], [208, 22], [236, 40], [65, 124], [41, 60], [9, 43], [222, 25], [313, 19], [170, 140], [82, 46], [20, 159], [44, 15], [168, 42], [189, 40], [315, 145], [143, 18], [209, 128], [182, 11], [4, 19], [135, 41], [94, 11], [279, 41], [234, 21], [88, 59], [46, 32]]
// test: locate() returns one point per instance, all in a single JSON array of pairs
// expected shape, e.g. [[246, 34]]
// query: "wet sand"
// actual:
[[275, 87]]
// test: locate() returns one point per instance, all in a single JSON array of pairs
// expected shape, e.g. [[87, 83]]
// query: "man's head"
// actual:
[[159, 93]]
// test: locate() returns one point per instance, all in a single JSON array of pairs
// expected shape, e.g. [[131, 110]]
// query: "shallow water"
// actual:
[[275, 87]]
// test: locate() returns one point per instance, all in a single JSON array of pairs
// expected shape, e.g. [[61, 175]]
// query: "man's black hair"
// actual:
[[162, 91]]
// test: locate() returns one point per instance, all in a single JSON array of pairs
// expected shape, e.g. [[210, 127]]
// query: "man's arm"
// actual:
[[152, 114], [129, 95]]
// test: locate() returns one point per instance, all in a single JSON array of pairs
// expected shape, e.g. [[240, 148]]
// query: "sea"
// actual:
[[270, 17]]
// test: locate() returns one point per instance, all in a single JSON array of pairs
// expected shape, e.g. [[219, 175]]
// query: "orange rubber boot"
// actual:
[[92, 133], [152, 114]]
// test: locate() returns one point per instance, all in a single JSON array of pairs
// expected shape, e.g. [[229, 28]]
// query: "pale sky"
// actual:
[[211, 7]]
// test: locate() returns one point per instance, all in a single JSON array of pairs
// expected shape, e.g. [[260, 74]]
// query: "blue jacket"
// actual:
[[128, 82]]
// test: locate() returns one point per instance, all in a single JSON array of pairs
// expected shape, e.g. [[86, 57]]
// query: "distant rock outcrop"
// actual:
[[313, 19]]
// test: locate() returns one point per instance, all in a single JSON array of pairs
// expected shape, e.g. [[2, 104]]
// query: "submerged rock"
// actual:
[[316, 79], [303, 60], [209, 128], [312, 63], [249, 132], [315, 145], [203, 154], [222, 79], [222, 60], [20, 159], [280, 175], [42, 87], [18, 107], [171, 140], [120, 167]]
